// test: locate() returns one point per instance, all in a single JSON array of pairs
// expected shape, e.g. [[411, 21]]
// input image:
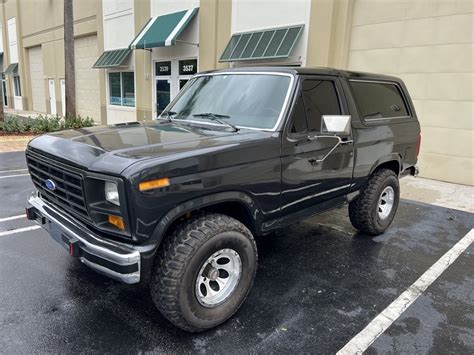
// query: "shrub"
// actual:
[[72, 122], [43, 124]]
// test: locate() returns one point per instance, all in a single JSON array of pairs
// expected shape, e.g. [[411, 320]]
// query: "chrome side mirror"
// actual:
[[336, 124]]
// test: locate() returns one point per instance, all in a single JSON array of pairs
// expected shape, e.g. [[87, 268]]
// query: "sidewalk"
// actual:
[[439, 193], [16, 143], [13, 112], [13, 143]]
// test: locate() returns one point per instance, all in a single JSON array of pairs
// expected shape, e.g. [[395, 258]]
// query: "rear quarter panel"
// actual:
[[383, 140]]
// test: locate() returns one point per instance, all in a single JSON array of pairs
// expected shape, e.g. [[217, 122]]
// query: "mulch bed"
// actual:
[[18, 135]]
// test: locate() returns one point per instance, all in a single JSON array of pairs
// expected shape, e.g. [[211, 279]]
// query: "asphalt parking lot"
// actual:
[[318, 285]]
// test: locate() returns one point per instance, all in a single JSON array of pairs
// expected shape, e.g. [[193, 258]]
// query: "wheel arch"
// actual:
[[392, 162], [236, 204]]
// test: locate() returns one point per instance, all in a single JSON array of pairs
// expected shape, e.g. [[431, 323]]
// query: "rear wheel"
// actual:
[[373, 210], [204, 272]]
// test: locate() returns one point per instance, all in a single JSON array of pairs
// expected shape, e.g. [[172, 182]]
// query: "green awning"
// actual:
[[162, 31], [11, 69], [265, 44], [112, 59]]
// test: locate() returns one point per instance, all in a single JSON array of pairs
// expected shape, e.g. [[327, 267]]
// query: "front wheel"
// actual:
[[204, 272], [373, 210]]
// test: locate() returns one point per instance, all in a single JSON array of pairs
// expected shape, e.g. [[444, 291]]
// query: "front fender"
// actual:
[[202, 202], [149, 249]]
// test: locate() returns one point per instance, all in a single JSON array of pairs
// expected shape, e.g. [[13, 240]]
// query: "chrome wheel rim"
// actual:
[[218, 277], [386, 201]]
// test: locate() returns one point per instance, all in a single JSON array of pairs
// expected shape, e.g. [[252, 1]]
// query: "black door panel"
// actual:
[[305, 182]]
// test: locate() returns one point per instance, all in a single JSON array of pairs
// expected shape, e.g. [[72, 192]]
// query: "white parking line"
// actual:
[[11, 171], [10, 176], [12, 217], [19, 230], [380, 324]]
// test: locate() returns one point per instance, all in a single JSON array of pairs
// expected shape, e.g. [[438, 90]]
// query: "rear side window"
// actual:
[[320, 98], [379, 100]]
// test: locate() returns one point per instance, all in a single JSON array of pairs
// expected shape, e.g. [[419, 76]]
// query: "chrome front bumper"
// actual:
[[114, 259]]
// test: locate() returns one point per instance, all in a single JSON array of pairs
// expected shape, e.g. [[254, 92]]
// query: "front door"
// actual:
[[52, 97], [63, 96], [307, 185], [170, 78], [163, 94]]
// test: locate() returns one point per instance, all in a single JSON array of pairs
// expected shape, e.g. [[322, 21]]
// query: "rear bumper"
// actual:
[[114, 259]]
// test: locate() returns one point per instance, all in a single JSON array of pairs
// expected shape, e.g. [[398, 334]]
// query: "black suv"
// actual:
[[176, 202]]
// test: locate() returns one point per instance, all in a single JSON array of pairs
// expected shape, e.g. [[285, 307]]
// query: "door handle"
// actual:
[[349, 141]]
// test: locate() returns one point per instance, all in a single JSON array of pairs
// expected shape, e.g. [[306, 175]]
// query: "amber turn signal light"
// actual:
[[117, 222], [153, 184]]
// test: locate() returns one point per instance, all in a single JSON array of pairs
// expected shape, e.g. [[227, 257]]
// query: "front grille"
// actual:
[[69, 192]]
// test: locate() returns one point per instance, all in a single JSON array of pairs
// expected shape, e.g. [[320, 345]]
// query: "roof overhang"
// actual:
[[11, 69], [112, 58], [273, 43], [163, 31]]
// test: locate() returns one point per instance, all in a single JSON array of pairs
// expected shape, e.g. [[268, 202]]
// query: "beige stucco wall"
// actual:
[[40, 23], [37, 80], [429, 44], [86, 52], [142, 62], [215, 18]]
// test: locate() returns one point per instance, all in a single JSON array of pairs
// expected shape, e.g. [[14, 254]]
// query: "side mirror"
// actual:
[[336, 124]]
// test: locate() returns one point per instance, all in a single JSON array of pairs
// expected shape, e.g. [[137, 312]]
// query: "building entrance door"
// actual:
[[163, 94], [63, 96], [170, 78], [52, 97]]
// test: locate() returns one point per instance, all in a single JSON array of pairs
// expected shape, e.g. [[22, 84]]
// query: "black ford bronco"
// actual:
[[239, 153]]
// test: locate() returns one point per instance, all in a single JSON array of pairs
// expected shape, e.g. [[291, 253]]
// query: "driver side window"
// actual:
[[299, 119], [320, 98]]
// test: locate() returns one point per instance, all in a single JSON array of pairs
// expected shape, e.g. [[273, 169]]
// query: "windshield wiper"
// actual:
[[168, 115], [218, 118]]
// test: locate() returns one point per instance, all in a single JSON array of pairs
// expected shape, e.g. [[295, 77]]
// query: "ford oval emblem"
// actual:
[[50, 184]]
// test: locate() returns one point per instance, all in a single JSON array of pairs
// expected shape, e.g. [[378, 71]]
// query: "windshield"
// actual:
[[246, 100]]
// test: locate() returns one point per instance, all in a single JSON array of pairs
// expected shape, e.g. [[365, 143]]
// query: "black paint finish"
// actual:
[[268, 175]]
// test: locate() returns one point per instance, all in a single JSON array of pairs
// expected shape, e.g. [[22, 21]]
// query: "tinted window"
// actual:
[[376, 100], [320, 98], [115, 90], [128, 84], [299, 120]]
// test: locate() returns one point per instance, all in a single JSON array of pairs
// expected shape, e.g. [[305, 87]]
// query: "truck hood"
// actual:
[[113, 148]]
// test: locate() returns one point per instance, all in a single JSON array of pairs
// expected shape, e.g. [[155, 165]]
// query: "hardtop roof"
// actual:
[[309, 71]]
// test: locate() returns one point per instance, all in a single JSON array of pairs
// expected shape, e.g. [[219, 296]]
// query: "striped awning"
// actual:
[[112, 59], [264, 44], [11, 69], [162, 31]]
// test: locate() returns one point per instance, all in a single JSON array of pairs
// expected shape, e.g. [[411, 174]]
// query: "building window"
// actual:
[[16, 84], [122, 89]]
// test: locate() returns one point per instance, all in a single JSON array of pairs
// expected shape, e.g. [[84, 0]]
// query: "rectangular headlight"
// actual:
[[111, 193]]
